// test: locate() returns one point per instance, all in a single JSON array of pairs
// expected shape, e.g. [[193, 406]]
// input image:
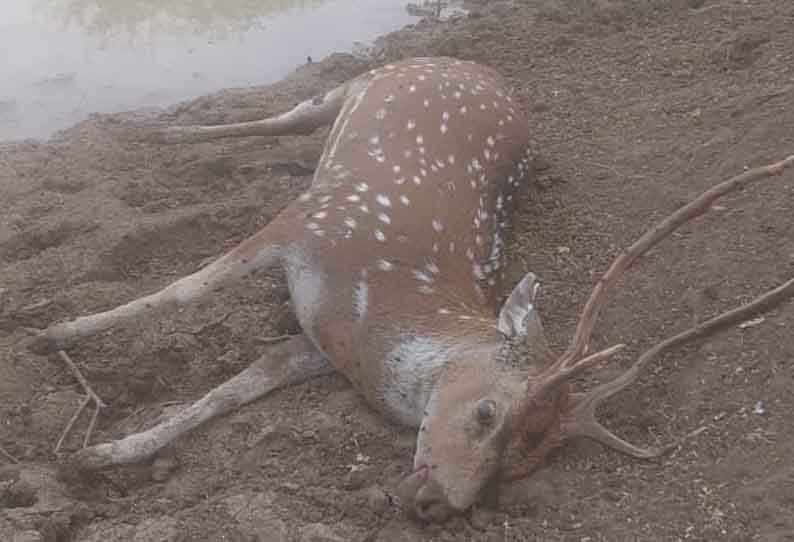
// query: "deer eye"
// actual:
[[486, 411]]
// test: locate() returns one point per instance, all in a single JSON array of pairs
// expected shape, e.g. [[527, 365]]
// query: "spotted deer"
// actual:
[[394, 258]]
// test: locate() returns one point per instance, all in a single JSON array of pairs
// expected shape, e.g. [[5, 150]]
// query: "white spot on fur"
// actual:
[[424, 277], [380, 236], [383, 200]]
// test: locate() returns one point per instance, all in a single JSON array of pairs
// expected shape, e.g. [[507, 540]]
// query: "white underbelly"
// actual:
[[307, 286]]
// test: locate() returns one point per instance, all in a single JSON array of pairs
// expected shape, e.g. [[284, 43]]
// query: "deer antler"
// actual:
[[581, 419]]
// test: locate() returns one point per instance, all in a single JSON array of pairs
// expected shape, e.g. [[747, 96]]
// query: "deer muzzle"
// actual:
[[423, 497]]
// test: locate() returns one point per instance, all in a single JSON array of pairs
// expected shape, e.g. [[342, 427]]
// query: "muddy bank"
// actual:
[[635, 107]]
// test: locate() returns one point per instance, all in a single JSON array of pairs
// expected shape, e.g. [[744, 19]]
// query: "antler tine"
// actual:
[[581, 420], [567, 365]]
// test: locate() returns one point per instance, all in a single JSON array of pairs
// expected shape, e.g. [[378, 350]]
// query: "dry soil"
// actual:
[[635, 107]]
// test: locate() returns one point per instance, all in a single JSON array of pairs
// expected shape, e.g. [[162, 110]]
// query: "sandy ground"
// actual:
[[635, 107]]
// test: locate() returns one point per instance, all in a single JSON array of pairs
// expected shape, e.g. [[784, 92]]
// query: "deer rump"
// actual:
[[394, 258]]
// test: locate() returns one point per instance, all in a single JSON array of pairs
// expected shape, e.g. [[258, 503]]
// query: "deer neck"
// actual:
[[418, 363]]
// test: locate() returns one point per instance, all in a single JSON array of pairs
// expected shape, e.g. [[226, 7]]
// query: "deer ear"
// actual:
[[518, 312]]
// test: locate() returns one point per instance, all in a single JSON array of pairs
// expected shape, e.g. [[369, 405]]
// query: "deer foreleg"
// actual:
[[259, 251], [291, 362], [303, 119]]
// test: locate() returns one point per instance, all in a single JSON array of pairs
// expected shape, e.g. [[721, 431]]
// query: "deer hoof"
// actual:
[[41, 343]]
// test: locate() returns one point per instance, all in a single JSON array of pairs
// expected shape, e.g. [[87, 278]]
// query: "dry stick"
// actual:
[[657, 233], [68, 428], [90, 396], [8, 455], [276, 339]]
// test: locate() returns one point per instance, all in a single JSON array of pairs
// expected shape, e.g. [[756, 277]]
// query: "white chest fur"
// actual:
[[410, 371]]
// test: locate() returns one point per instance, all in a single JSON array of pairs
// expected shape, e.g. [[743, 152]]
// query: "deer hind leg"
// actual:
[[290, 362], [303, 119], [260, 251]]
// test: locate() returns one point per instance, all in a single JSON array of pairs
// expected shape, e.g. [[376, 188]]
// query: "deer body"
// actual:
[[394, 262], [397, 245]]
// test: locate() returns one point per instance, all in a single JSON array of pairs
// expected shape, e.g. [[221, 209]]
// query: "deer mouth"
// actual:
[[423, 498]]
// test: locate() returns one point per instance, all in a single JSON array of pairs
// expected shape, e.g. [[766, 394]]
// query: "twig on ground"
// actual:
[[5, 453], [276, 339], [91, 396]]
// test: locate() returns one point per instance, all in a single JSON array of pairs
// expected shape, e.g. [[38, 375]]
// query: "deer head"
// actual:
[[475, 415], [497, 413]]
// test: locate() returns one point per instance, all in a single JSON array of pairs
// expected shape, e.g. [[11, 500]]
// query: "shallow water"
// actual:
[[63, 59]]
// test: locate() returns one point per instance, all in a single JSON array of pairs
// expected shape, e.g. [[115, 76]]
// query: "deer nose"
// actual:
[[430, 504]]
